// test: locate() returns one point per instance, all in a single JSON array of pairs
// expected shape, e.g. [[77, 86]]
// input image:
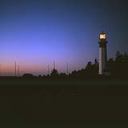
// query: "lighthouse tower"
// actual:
[[102, 53]]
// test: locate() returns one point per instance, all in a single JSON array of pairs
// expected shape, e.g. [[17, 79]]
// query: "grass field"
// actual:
[[61, 103]]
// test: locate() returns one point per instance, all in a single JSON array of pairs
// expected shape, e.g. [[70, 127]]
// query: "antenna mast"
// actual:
[[48, 70], [67, 68], [15, 68], [54, 65], [18, 70]]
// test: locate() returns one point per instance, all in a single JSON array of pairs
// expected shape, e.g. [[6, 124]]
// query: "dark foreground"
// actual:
[[38, 103]]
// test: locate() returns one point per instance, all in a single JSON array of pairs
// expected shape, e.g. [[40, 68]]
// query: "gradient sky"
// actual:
[[34, 33]]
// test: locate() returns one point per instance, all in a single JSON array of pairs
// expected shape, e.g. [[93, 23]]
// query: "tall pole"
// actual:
[[15, 68], [48, 70], [18, 70], [54, 65], [0, 70], [67, 68]]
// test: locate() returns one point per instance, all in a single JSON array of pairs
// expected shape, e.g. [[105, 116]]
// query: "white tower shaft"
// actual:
[[102, 60], [102, 53]]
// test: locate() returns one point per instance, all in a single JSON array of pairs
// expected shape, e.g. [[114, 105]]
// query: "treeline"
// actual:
[[117, 67]]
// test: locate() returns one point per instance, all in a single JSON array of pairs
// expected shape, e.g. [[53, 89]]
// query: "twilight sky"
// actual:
[[34, 33]]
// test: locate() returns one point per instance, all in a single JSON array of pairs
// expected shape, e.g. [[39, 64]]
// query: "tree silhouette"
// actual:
[[119, 67], [54, 73]]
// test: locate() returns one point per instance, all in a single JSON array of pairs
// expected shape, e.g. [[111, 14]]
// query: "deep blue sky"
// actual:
[[34, 33]]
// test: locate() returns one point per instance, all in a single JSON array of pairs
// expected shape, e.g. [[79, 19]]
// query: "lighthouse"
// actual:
[[102, 53]]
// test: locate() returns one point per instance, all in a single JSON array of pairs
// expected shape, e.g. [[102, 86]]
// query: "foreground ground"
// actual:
[[37, 103]]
